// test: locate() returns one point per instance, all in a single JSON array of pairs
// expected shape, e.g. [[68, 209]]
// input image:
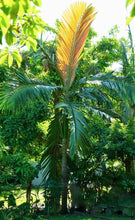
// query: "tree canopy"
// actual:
[[20, 24]]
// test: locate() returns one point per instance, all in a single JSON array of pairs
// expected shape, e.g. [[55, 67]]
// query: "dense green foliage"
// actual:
[[94, 120], [20, 25]]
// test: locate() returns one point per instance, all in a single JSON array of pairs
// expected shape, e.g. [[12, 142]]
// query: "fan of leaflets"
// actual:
[[72, 34]]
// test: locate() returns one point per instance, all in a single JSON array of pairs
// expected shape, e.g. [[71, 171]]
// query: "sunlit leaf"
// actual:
[[9, 38], [3, 58], [3, 29], [17, 57], [5, 21], [0, 37], [37, 2], [128, 2], [10, 60], [132, 14], [14, 11], [33, 43], [8, 3], [21, 10], [28, 45]]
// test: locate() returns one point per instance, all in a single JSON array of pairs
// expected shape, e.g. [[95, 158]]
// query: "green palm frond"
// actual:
[[104, 113], [108, 82], [21, 90], [120, 88], [50, 158], [129, 94], [79, 130], [115, 86], [123, 89], [78, 126], [128, 57], [131, 46], [125, 62], [94, 94], [49, 167]]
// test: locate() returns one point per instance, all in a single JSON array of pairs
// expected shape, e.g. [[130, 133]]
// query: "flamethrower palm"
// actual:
[[69, 116]]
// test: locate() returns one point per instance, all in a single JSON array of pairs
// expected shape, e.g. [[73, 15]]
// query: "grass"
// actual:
[[72, 218], [77, 217], [20, 196]]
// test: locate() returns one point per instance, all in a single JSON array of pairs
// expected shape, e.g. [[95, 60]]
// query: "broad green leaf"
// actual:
[[15, 14], [22, 42], [37, 2], [132, 14], [17, 57], [28, 45], [27, 5], [10, 60], [4, 52], [0, 37], [5, 21], [32, 42], [128, 2], [9, 38], [21, 10], [3, 29], [35, 32], [38, 20], [8, 3], [18, 63], [3, 58], [14, 10], [128, 20]]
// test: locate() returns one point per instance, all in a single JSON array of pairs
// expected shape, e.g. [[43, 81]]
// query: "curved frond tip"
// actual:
[[72, 33]]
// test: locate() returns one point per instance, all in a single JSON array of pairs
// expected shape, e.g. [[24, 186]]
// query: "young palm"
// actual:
[[72, 34]]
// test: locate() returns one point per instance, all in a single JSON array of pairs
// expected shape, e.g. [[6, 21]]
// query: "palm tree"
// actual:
[[69, 120], [70, 43], [69, 125]]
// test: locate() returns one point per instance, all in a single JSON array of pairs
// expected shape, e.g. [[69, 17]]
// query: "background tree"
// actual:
[[121, 143], [20, 23], [100, 55], [16, 173]]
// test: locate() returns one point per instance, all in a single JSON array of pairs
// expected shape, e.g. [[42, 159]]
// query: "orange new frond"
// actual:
[[72, 34]]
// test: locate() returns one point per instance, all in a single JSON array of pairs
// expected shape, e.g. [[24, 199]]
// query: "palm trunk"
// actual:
[[64, 177], [132, 110], [131, 160], [134, 164], [28, 193], [128, 165]]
